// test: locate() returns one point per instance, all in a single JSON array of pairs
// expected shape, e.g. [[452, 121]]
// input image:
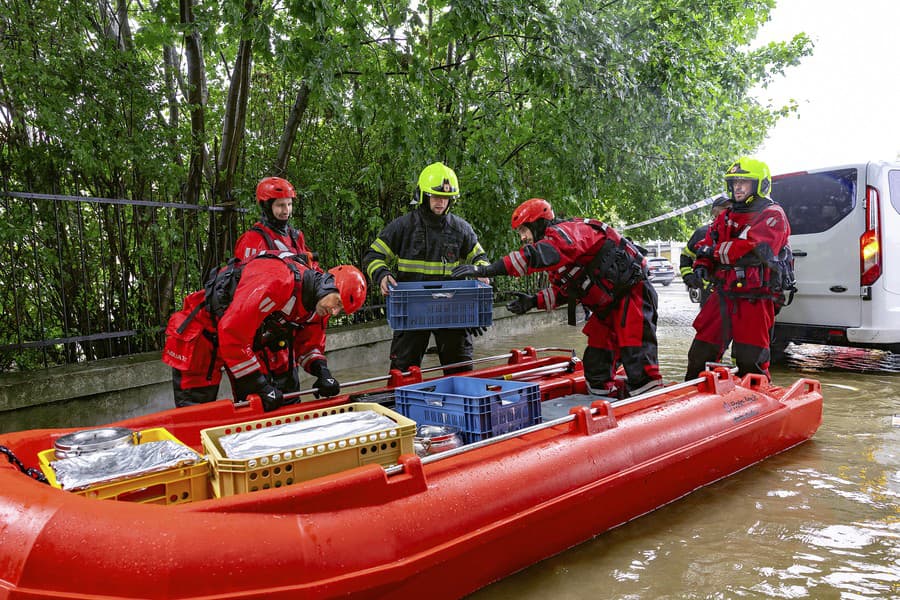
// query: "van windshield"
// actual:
[[815, 202]]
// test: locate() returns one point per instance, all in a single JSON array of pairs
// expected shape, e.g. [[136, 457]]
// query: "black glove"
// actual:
[[257, 383], [491, 270], [522, 304], [702, 273], [476, 331], [327, 385], [463, 271], [705, 251], [692, 281]]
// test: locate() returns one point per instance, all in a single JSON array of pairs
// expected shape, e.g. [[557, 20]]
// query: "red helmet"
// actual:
[[274, 187], [530, 211], [352, 285]]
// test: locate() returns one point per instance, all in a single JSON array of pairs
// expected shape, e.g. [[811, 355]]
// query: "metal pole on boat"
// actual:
[[291, 395], [473, 361]]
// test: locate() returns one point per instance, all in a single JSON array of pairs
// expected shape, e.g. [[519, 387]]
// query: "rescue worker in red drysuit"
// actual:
[[273, 234], [736, 255], [279, 288], [588, 261]]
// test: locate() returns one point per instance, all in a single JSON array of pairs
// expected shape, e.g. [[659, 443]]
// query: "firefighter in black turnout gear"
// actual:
[[689, 252], [425, 245]]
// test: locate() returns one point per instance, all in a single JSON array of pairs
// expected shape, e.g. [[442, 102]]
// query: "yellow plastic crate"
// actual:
[[230, 476], [172, 486]]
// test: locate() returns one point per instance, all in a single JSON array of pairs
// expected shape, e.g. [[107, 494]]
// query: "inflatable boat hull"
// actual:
[[442, 528]]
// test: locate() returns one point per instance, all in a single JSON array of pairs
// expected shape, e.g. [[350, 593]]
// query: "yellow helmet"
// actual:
[[752, 169], [437, 179]]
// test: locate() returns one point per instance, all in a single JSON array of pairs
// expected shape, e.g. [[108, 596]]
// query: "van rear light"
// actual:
[[870, 241]]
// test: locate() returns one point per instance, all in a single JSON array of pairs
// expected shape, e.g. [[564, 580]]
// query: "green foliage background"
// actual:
[[618, 110]]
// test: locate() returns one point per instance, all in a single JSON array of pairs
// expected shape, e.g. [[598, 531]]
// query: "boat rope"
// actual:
[[30, 471]]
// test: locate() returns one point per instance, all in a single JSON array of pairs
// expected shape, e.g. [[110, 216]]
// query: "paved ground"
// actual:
[[675, 307]]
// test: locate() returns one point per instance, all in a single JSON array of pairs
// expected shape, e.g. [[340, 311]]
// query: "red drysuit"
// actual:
[[589, 262], [739, 250]]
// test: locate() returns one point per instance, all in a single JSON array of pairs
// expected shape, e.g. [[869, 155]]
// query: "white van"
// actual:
[[845, 235]]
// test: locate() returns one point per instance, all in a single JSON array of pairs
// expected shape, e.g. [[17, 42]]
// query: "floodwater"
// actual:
[[819, 521]]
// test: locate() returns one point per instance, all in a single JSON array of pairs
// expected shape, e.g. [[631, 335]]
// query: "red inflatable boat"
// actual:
[[448, 523]]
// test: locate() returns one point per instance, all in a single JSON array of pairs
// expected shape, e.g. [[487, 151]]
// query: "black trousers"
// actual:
[[453, 346]]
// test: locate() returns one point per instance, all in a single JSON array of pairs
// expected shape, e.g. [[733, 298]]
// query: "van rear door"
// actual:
[[827, 215], [886, 179]]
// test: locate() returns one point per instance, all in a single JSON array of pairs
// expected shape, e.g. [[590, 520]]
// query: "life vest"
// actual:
[[608, 276], [767, 274], [308, 258], [218, 293]]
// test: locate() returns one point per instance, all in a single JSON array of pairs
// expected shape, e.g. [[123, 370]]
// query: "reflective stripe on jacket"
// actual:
[[739, 241]]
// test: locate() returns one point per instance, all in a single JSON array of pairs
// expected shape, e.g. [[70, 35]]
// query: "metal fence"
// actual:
[[85, 278]]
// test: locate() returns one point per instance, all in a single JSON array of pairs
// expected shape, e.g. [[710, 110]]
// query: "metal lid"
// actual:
[[436, 433], [92, 440]]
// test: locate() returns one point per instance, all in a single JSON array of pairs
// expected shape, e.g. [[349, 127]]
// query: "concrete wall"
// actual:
[[346, 347]]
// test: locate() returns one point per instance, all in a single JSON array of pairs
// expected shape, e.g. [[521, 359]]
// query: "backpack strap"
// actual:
[[217, 292], [190, 317], [293, 235], [270, 243]]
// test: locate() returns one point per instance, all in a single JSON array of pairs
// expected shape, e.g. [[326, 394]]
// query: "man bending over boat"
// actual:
[[222, 325], [587, 261]]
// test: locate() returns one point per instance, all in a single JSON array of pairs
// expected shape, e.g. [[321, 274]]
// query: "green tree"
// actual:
[[610, 109]]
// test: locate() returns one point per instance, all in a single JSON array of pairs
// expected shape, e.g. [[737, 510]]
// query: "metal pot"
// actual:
[[432, 439], [93, 440]]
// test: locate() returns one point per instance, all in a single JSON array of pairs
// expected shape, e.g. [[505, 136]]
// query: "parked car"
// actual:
[[845, 236], [661, 270]]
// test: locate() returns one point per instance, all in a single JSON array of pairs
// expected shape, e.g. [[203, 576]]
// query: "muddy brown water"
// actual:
[[819, 521]]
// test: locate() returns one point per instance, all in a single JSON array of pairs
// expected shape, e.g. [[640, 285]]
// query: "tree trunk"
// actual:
[[223, 233], [290, 129], [197, 102]]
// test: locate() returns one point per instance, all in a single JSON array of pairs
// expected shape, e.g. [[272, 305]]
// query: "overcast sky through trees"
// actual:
[[848, 92]]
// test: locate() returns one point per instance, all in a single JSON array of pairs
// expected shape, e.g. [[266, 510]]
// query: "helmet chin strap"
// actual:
[[537, 229], [268, 217]]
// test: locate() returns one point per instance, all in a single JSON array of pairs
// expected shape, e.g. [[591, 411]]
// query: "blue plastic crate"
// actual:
[[440, 305], [481, 408]]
